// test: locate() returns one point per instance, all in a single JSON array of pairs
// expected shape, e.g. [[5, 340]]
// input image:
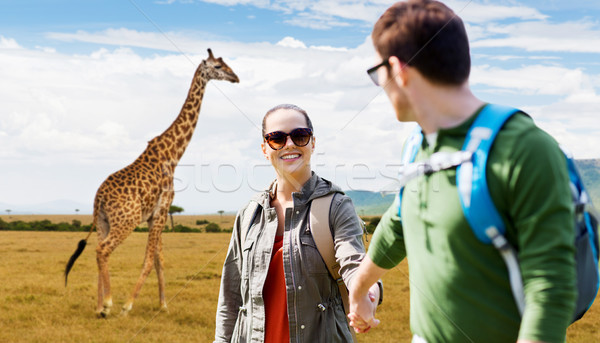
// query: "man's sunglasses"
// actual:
[[373, 72], [277, 139]]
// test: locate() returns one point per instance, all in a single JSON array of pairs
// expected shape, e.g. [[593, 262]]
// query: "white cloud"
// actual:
[[531, 79], [326, 14], [477, 12], [68, 112], [570, 100], [8, 43], [574, 36], [90, 114], [291, 42]]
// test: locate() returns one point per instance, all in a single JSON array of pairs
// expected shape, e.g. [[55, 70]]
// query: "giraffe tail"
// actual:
[[80, 246]]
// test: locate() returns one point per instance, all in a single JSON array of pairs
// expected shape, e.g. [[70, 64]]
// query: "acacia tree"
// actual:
[[220, 212], [174, 209]]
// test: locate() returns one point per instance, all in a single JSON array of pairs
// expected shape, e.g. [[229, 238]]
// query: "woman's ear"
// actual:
[[264, 150]]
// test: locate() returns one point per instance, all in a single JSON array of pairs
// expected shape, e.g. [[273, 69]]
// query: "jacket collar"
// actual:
[[315, 187]]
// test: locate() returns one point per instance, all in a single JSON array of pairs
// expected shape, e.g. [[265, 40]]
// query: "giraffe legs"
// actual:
[[153, 253], [159, 265], [103, 251], [109, 240]]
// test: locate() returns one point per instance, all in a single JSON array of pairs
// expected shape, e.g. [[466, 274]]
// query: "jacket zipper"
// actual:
[[292, 274]]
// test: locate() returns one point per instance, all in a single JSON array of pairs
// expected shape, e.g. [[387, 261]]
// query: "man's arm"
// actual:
[[534, 192]]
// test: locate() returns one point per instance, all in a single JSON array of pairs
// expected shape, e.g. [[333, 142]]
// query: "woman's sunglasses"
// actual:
[[277, 139]]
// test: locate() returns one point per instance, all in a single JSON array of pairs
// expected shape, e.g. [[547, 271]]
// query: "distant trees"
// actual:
[[220, 212], [174, 209], [76, 225], [212, 227]]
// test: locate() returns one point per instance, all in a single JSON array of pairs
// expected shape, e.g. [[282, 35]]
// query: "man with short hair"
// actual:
[[460, 289]]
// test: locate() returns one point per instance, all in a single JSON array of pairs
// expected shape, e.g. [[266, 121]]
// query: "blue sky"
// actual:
[[85, 84]]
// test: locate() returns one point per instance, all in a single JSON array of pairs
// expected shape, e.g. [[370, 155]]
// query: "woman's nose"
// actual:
[[289, 141]]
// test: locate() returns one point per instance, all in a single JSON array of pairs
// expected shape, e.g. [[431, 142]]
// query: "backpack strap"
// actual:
[[409, 153], [319, 228], [474, 194]]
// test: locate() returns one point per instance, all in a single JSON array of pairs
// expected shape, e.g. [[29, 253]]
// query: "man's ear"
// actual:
[[398, 70], [314, 139]]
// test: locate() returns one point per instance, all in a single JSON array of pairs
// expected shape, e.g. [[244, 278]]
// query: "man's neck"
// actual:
[[441, 107]]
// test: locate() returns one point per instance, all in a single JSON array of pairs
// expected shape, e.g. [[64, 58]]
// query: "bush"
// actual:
[[202, 222], [212, 227], [372, 225], [374, 221], [182, 228]]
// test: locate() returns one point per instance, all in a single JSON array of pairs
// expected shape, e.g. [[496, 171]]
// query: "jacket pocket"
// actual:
[[247, 259], [311, 258]]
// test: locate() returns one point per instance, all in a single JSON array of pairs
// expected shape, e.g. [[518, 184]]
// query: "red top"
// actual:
[[277, 329]]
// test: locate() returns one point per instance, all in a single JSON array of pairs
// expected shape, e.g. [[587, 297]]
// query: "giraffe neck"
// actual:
[[177, 137]]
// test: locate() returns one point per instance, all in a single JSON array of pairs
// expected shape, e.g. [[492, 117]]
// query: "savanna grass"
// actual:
[[36, 307]]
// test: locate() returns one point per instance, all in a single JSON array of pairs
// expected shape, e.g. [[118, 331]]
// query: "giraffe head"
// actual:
[[216, 69]]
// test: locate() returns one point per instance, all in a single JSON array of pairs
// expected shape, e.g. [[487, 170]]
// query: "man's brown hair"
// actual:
[[427, 35]]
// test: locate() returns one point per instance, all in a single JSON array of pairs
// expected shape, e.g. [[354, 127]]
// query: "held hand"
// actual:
[[362, 311]]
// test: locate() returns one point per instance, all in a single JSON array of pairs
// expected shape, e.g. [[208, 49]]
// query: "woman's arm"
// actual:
[[230, 298], [349, 245]]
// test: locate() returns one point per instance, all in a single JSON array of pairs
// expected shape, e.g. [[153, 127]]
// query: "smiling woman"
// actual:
[[275, 224]]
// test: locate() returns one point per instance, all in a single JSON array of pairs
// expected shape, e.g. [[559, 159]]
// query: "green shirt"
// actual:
[[460, 290]]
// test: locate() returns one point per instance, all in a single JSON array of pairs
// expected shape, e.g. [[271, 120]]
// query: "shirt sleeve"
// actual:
[[387, 248], [540, 208]]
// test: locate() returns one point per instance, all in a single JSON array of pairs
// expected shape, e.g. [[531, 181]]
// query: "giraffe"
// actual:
[[143, 191]]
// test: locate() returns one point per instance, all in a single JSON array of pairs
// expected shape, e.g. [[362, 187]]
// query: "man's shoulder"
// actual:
[[521, 136]]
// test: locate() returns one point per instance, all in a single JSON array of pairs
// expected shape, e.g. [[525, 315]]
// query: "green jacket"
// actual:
[[460, 290]]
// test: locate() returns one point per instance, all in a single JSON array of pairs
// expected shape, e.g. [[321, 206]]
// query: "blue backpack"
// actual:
[[482, 215]]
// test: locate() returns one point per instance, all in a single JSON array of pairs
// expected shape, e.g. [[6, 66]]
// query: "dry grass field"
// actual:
[[36, 307]]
